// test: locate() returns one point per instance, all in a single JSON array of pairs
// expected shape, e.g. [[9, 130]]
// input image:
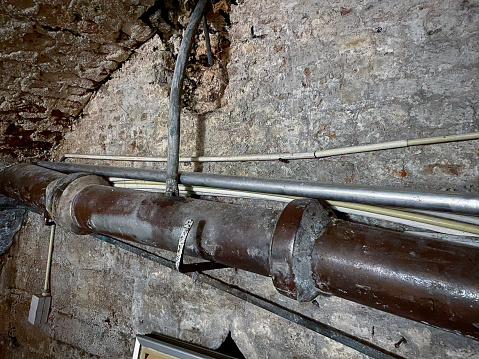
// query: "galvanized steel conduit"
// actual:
[[466, 203], [304, 249]]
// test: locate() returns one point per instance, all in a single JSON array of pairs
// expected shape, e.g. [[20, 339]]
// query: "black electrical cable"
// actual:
[[175, 100], [207, 41]]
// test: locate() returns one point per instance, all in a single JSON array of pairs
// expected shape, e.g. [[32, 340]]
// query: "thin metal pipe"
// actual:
[[467, 203], [16, 207], [292, 156], [207, 41], [175, 100], [46, 286]]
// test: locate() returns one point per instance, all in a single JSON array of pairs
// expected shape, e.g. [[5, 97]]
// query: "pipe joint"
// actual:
[[301, 222], [55, 189], [60, 199]]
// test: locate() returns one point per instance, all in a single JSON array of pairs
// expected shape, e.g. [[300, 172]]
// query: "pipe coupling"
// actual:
[[60, 198], [298, 227]]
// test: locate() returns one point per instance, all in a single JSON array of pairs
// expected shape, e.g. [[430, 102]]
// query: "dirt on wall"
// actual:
[[53, 57]]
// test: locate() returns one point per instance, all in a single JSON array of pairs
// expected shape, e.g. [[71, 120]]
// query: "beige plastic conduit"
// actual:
[[292, 156]]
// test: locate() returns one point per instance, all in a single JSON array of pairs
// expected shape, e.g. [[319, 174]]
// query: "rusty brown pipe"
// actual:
[[303, 248], [231, 235], [430, 281], [86, 204], [26, 185]]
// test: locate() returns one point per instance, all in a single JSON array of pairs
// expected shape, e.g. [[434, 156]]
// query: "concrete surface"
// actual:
[[289, 76]]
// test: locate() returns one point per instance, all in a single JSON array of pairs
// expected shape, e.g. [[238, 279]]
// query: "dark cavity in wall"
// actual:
[[204, 85], [229, 347]]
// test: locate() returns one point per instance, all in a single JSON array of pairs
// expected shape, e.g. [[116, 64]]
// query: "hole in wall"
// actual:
[[205, 85]]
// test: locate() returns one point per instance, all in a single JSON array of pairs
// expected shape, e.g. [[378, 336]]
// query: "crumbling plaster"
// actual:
[[289, 76]]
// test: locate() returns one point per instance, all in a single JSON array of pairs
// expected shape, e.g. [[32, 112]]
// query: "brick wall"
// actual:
[[53, 56]]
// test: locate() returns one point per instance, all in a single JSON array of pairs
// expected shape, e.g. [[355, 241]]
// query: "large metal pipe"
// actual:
[[467, 203], [429, 281], [235, 236], [303, 248], [84, 204], [21, 183]]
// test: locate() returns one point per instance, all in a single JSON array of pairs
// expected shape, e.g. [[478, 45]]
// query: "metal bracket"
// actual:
[[193, 267], [47, 219], [172, 188]]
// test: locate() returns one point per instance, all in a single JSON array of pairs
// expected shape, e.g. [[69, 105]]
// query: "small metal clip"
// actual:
[[193, 267], [181, 244]]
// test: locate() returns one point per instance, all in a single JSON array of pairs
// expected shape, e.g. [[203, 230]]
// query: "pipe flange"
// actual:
[[298, 227], [60, 195]]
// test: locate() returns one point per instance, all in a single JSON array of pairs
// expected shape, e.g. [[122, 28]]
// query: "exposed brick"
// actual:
[[50, 136], [60, 115], [31, 108], [37, 41], [53, 55], [17, 131]]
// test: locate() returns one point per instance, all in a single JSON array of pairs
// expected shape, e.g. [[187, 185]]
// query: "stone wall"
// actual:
[[53, 56], [288, 76]]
